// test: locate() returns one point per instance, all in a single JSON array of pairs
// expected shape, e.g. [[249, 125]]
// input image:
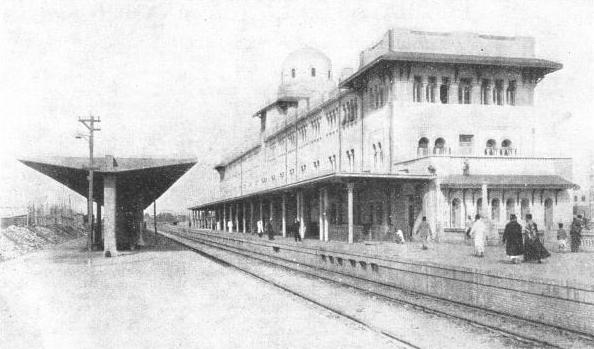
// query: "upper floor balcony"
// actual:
[[468, 151]]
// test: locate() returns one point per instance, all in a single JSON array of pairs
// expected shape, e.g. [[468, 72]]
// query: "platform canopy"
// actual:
[[139, 180]]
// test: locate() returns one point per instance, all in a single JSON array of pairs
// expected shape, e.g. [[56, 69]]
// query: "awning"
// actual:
[[505, 181]]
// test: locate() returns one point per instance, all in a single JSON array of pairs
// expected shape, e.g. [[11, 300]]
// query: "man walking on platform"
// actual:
[[295, 229], [576, 233], [512, 237], [269, 230], [424, 231]]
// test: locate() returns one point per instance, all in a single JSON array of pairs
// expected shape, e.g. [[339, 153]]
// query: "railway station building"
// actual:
[[442, 125]]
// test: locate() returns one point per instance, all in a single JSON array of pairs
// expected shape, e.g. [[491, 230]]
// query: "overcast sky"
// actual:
[[182, 78]]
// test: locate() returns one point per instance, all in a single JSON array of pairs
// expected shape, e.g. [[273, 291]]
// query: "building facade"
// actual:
[[441, 125]]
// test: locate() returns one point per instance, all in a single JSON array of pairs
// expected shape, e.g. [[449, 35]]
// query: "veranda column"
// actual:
[[271, 217], [350, 187], [243, 217], [284, 214], [321, 214], [237, 217], [438, 210], [262, 212], [224, 227], [485, 201], [326, 225], [251, 216], [300, 211]]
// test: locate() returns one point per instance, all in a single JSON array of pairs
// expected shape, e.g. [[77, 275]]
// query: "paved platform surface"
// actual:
[[561, 267], [164, 297]]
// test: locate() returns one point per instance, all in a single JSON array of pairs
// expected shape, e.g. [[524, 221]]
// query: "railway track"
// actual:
[[529, 333]]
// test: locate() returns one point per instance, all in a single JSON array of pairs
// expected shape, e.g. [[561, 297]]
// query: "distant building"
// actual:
[[431, 124]]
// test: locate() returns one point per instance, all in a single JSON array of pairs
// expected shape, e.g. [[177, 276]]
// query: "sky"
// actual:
[[182, 79]]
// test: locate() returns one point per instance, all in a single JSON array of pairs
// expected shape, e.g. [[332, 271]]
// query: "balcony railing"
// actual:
[[423, 151], [466, 151], [506, 151]]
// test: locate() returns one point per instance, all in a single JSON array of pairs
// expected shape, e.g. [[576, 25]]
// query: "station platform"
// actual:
[[563, 267], [159, 296], [558, 293]]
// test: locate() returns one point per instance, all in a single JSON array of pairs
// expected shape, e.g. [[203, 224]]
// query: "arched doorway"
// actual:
[[495, 216], [524, 208], [423, 146], [456, 214], [439, 146], [479, 206], [510, 208], [548, 214]]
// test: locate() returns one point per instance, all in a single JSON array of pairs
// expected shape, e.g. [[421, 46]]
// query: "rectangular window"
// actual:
[[485, 91], [444, 90], [511, 93], [430, 90], [464, 91], [466, 143], [497, 92], [417, 89]]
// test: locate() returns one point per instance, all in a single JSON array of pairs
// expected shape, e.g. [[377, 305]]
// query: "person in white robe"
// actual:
[[479, 233]]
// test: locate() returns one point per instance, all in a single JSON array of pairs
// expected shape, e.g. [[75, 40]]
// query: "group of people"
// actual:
[[294, 229], [523, 241], [520, 241]]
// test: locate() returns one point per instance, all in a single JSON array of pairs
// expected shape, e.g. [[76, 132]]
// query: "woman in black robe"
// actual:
[[512, 237], [533, 248]]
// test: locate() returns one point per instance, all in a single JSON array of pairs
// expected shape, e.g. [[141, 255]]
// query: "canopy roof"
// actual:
[[139, 181], [515, 181], [542, 65]]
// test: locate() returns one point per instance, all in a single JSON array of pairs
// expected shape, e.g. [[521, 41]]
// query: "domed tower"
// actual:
[[305, 72]]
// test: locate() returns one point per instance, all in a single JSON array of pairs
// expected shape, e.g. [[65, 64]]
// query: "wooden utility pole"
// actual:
[[90, 125]]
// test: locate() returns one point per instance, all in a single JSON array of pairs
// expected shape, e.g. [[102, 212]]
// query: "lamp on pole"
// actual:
[[90, 125]]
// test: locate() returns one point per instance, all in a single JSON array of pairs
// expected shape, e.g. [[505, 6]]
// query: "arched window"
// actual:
[[524, 208], [506, 147], [293, 72], [491, 148], [495, 210], [374, 156], [479, 206], [313, 72], [575, 198], [329, 74], [510, 208], [456, 214], [439, 146], [422, 149]]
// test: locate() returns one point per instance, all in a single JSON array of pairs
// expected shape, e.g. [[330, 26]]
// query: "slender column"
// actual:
[[243, 217], [321, 214], [350, 187], [326, 227], [271, 217], [109, 200], [438, 210], [224, 227], [237, 217], [299, 198], [251, 216], [262, 211], [284, 215], [485, 201]]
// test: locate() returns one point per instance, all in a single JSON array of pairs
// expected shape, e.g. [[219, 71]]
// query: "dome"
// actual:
[[304, 72]]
